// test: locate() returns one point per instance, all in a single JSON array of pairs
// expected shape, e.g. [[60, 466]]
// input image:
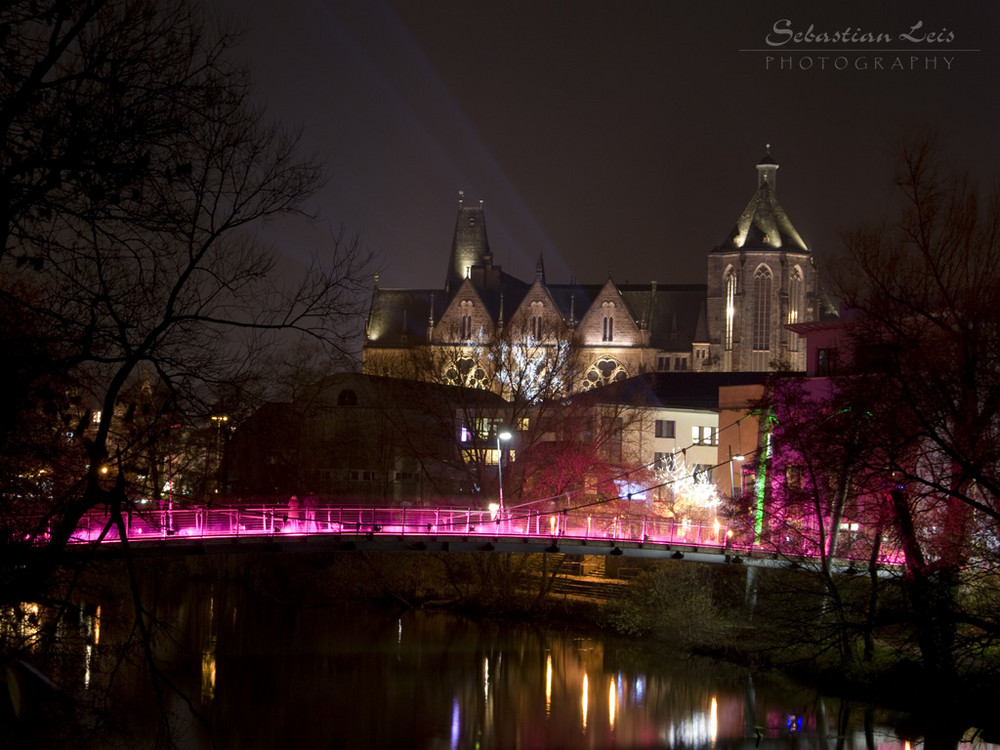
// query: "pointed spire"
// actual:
[[767, 169], [764, 225], [540, 269], [469, 247]]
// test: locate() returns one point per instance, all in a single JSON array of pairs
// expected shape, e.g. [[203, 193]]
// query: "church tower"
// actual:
[[470, 250], [760, 279]]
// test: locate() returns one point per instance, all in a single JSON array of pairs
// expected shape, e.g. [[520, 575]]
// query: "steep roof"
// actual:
[[764, 225], [674, 314], [399, 317]]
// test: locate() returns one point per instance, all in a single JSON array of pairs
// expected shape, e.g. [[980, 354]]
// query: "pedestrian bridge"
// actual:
[[224, 529]]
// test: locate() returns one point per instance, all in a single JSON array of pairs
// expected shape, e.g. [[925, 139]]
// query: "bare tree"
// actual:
[[904, 446], [134, 177], [532, 369]]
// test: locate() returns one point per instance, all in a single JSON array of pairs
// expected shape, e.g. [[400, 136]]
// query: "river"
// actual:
[[243, 670]]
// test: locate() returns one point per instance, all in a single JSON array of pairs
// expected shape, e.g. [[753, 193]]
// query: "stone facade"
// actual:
[[760, 280]]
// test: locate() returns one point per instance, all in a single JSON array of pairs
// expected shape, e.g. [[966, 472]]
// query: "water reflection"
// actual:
[[256, 673]]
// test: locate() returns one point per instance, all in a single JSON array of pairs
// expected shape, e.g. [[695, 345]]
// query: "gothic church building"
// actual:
[[760, 280]]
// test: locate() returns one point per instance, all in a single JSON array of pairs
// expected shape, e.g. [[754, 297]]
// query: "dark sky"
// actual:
[[611, 136]]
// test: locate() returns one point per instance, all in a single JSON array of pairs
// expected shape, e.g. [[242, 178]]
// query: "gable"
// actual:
[[537, 316], [609, 321], [467, 317]]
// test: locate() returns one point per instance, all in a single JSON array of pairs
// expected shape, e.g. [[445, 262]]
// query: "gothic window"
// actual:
[[604, 371], [730, 308], [762, 309], [466, 319], [535, 321], [609, 321], [467, 372], [795, 302]]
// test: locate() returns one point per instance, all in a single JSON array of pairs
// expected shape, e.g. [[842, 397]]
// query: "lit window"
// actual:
[[730, 308], [704, 435], [794, 305], [762, 310]]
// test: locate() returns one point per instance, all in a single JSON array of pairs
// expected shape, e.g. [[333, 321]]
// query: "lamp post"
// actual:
[[505, 436], [732, 479], [218, 421]]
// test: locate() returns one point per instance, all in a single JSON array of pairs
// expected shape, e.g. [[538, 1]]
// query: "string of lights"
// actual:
[[624, 473]]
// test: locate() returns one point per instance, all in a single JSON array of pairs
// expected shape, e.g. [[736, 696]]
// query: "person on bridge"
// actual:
[[293, 515]]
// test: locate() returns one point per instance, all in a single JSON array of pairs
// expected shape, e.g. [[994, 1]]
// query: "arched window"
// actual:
[[730, 308], [795, 305], [762, 309], [466, 319], [609, 321], [603, 372], [536, 319], [467, 372]]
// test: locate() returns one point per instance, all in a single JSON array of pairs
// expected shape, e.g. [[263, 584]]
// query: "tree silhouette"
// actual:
[[134, 177], [897, 449]]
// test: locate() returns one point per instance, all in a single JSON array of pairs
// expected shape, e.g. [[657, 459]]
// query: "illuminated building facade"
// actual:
[[760, 280]]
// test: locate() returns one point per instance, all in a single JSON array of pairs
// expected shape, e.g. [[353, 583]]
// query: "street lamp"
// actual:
[[505, 436], [732, 479], [218, 421]]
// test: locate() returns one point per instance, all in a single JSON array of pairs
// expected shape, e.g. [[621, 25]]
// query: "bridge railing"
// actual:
[[240, 521], [221, 522]]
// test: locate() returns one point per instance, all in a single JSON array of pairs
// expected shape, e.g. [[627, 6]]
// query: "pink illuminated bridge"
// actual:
[[234, 528]]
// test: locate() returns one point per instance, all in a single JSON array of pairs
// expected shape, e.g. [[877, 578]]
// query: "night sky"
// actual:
[[610, 137]]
